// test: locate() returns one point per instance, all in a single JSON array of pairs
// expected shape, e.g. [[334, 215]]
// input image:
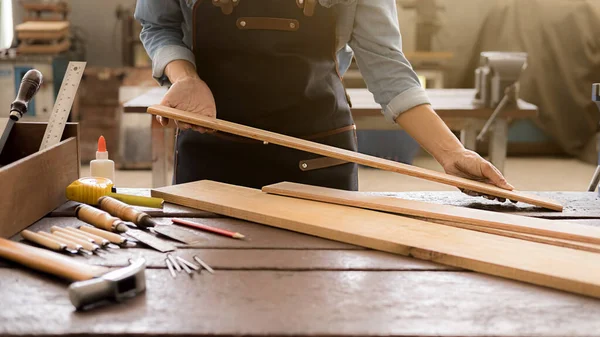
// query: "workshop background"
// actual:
[[443, 39]]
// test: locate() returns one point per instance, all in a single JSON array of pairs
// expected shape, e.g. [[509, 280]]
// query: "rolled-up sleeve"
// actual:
[[377, 45], [162, 33]]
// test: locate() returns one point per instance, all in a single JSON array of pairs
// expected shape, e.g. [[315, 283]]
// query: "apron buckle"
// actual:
[[226, 5], [308, 6]]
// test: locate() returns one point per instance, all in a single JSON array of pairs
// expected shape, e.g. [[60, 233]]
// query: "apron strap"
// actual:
[[226, 5], [308, 6]]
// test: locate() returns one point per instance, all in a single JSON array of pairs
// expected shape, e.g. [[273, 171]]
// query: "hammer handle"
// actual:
[[48, 262], [43, 241]]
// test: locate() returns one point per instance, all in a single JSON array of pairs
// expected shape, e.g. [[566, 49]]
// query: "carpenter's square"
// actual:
[[29, 87]]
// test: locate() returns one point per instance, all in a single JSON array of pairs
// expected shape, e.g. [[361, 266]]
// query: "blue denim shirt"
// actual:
[[366, 28]]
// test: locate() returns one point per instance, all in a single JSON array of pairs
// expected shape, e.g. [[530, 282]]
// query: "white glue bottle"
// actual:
[[102, 166]]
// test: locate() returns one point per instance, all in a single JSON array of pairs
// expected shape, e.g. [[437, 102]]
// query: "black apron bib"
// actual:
[[270, 64]]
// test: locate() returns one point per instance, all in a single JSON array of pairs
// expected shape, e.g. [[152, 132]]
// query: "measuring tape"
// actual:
[[63, 104]]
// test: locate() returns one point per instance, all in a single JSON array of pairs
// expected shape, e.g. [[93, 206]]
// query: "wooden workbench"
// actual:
[[282, 283], [454, 106]]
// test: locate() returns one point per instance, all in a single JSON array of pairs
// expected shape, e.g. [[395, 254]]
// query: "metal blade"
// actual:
[[6, 133]]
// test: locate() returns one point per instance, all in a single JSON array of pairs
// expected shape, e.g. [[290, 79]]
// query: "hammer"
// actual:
[[92, 285]]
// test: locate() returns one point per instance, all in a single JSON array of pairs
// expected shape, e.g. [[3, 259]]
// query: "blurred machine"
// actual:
[[497, 83]]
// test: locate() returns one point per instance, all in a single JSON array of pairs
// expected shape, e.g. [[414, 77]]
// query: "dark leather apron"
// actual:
[[270, 64]]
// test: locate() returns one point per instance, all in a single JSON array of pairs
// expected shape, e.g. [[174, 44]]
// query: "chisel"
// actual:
[[100, 241], [112, 237], [126, 212], [100, 219], [85, 244], [46, 242], [69, 244], [29, 87]]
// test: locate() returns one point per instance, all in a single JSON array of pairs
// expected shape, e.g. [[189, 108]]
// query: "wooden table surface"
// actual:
[[448, 103], [278, 282]]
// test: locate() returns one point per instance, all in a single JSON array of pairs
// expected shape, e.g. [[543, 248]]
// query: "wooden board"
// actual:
[[33, 183], [40, 26], [494, 220], [540, 264], [347, 155]]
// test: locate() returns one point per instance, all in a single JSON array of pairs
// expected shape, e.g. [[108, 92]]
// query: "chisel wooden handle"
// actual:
[[43, 241], [85, 244], [125, 212], [48, 262], [97, 239], [112, 237], [78, 235], [100, 219], [69, 244]]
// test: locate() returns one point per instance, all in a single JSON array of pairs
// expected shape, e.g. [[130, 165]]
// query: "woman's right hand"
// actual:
[[189, 93]]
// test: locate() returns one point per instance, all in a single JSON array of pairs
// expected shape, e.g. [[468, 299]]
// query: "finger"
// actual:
[[183, 126], [470, 193], [514, 201], [492, 173]]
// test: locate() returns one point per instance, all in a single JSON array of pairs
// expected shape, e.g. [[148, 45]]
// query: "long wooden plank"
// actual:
[[363, 159], [494, 220], [555, 267]]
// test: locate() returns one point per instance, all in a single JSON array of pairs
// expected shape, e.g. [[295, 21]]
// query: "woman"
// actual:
[[277, 65]]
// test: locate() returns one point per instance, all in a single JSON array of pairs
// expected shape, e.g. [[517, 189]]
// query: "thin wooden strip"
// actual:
[[507, 222], [555, 267], [588, 247], [351, 156]]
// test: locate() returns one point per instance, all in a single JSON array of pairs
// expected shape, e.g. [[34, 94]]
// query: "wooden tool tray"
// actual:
[[33, 182]]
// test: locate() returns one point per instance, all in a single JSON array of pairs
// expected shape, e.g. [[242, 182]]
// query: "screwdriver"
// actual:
[[126, 212], [30, 84], [100, 219], [46, 242]]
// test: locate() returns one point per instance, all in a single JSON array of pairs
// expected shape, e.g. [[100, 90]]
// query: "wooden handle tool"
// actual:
[[100, 241], [43, 241], [100, 219], [70, 245], [112, 237], [48, 262], [75, 234], [85, 244], [126, 212]]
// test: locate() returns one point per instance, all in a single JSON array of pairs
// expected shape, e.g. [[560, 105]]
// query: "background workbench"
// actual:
[[278, 282], [454, 106]]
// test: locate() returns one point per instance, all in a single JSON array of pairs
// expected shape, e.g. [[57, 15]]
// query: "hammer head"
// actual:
[[116, 286]]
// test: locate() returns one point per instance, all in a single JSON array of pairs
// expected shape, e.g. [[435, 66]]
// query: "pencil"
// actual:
[[208, 228]]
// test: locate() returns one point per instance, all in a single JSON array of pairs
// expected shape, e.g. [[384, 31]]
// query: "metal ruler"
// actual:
[[62, 106]]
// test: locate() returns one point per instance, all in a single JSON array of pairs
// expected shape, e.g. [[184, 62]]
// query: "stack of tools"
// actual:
[[178, 264], [39, 37]]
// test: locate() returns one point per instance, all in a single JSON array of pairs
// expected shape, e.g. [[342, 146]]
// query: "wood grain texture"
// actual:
[[51, 48], [494, 220], [540, 264], [347, 155], [35, 183], [273, 259], [275, 303]]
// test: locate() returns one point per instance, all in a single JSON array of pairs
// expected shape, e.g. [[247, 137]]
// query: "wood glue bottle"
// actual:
[[102, 166]]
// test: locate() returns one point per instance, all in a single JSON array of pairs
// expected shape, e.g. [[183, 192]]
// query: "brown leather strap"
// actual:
[[320, 163], [330, 133], [226, 5], [265, 23], [309, 7]]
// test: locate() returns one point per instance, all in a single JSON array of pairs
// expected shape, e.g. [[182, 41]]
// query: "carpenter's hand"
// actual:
[[189, 94], [470, 165]]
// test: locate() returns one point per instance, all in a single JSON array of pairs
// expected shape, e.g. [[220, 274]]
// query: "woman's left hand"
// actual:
[[468, 164]]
